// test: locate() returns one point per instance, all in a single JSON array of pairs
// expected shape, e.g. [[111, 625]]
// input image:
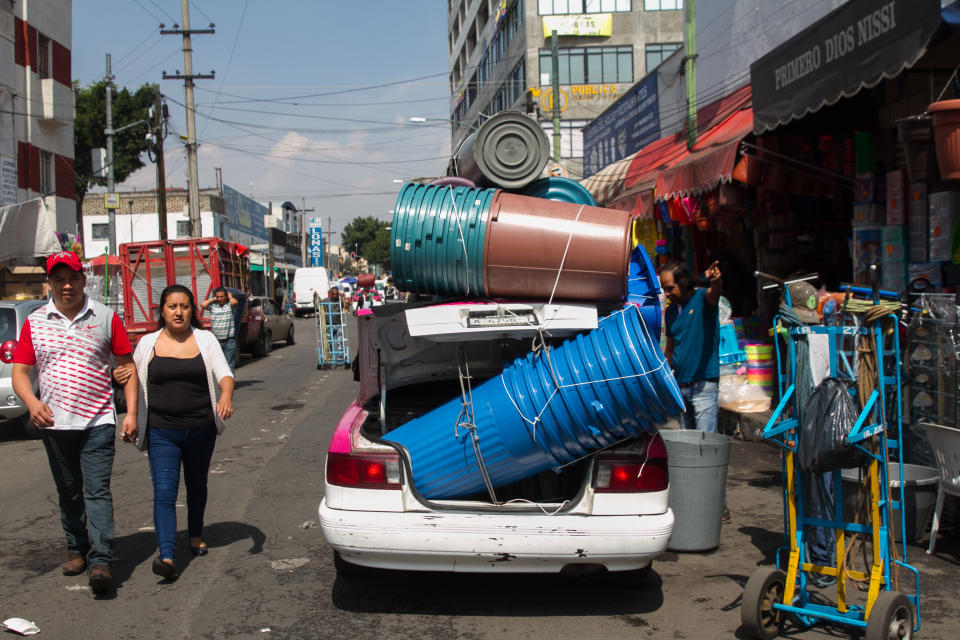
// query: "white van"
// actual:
[[307, 283]]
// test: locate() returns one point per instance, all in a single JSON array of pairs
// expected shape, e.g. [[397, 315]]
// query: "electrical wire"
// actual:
[[233, 49]]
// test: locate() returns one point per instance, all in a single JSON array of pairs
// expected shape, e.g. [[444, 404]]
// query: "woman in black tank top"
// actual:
[[181, 424]]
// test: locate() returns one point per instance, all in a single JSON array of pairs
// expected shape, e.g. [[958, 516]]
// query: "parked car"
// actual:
[[607, 510], [13, 414], [276, 325]]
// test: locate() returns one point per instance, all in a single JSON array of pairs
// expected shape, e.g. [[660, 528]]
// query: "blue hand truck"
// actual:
[[775, 596], [333, 348]]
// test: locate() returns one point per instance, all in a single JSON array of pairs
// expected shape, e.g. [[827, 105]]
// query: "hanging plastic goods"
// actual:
[[828, 417], [544, 411]]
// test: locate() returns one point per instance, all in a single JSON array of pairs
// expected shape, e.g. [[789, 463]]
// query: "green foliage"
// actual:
[[369, 238], [90, 122]]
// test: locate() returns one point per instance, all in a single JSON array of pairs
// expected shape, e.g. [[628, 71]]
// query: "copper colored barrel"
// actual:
[[525, 243]]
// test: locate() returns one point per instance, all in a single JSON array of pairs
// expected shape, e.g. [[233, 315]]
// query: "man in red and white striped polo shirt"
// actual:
[[69, 342]]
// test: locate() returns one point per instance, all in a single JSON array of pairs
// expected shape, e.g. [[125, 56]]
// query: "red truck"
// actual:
[[201, 265]]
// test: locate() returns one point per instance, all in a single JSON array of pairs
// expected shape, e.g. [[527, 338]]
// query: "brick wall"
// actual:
[[146, 202]]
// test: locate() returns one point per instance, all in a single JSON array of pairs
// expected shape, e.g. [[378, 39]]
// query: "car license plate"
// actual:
[[494, 319]]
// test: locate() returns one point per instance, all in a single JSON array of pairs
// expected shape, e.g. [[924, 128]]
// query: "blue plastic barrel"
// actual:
[[437, 239], [643, 288], [544, 412]]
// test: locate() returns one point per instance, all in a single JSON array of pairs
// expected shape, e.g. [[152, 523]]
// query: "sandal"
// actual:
[[164, 569]]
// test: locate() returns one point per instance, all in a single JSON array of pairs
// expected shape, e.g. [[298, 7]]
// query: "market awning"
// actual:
[[26, 232], [667, 168], [607, 183], [853, 48], [711, 160]]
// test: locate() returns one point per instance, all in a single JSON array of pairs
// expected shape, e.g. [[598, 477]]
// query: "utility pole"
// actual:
[[555, 77], [270, 254], [159, 120], [193, 189], [326, 240], [303, 233], [111, 212], [690, 70]]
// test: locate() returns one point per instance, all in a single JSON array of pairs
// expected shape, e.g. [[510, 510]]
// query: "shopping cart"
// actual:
[[775, 596]]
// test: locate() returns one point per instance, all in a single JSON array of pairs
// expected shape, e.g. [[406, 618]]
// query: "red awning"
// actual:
[[665, 167], [710, 162]]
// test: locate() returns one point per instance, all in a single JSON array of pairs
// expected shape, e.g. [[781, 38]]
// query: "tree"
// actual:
[[91, 120], [368, 237]]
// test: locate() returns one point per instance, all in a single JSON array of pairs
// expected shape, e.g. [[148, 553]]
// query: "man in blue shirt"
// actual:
[[693, 341]]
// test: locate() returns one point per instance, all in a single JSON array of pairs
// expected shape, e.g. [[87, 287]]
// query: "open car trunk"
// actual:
[[411, 363], [412, 401]]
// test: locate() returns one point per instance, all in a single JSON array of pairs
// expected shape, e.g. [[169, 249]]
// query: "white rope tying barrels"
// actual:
[[661, 364], [466, 419], [463, 240]]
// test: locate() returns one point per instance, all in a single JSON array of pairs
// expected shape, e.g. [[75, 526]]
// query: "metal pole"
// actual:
[[193, 194], [270, 254], [303, 232], [555, 77], [690, 70], [111, 213]]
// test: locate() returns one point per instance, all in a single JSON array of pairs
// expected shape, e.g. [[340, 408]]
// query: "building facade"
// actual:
[[36, 107], [137, 218], [500, 57]]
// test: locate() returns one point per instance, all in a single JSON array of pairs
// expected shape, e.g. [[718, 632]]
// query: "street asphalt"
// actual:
[[270, 574]]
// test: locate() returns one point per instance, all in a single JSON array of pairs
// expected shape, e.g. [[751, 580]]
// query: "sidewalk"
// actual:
[[713, 582]]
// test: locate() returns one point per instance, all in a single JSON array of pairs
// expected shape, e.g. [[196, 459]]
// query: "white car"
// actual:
[[13, 413], [606, 510]]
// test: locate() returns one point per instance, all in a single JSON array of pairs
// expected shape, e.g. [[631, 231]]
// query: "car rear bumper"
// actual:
[[508, 543]]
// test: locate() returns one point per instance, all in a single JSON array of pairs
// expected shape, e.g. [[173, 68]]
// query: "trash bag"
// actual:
[[827, 418]]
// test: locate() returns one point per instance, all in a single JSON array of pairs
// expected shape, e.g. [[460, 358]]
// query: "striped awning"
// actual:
[[605, 185]]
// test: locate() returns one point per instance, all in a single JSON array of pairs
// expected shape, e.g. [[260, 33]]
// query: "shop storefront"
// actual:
[[837, 112]]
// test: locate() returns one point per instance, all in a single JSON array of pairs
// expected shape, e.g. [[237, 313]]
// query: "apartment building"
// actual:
[[500, 57], [36, 107]]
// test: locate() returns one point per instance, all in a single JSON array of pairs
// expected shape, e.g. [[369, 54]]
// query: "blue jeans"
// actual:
[[702, 398], [81, 463], [229, 347], [168, 448], [821, 542]]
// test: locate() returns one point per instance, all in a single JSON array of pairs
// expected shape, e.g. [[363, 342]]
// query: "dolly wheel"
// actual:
[[892, 617], [764, 589]]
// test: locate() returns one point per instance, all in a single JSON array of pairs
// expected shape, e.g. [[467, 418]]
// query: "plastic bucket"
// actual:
[[920, 497], [437, 239], [643, 288], [612, 385], [697, 462], [559, 189], [528, 239]]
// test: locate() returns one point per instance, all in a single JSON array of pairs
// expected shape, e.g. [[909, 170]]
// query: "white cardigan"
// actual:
[[213, 361]]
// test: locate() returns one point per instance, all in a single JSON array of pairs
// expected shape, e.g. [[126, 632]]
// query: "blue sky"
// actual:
[[312, 99]]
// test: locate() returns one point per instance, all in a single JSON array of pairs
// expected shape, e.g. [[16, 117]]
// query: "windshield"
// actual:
[[8, 324]]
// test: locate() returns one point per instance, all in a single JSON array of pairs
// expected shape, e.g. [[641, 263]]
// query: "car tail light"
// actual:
[[633, 473], [7, 349], [364, 471]]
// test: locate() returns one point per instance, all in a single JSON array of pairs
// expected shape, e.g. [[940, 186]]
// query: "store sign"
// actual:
[[247, 217], [627, 126], [591, 24], [8, 181], [315, 247], [854, 47]]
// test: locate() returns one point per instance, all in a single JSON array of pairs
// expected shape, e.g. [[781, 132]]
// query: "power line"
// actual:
[[233, 49]]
